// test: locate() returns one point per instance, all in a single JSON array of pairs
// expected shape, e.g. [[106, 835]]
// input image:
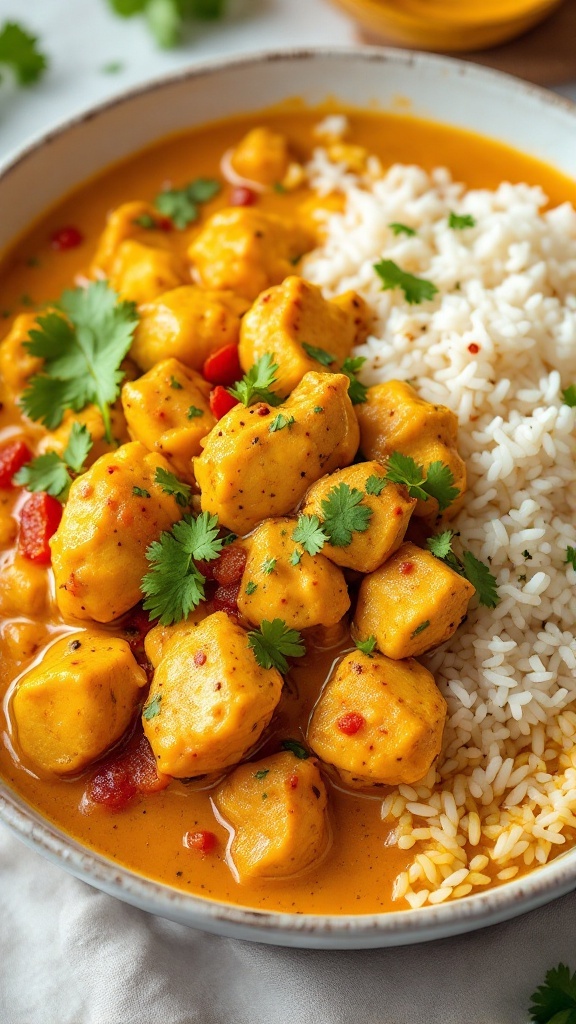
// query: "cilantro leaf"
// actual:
[[261, 773], [82, 348], [170, 484], [344, 515], [416, 289], [441, 544], [268, 566], [295, 557], [401, 229], [319, 354], [357, 392], [140, 492], [296, 748], [273, 642], [460, 221], [569, 396], [436, 483], [375, 484], [152, 709], [469, 566], [19, 51], [51, 472], [199, 537], [194, 412], [309, 534], [280, 421], [175, 384], [571, 556], [420, 629], [174, 585], [181, 204], [78, 447], [366, 646], [554, 1002], [255, 385], [251, 587]]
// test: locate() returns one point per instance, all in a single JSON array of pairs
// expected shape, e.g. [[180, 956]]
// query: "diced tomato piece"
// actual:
[[226, 598], [39, 519], [241, 195], [140, 764], [223, 367], [206, 568], [202, 840], [112, 787], [230, 565], [351, 723], [221, 401], [118, 780], [66, 238], [12, 457]]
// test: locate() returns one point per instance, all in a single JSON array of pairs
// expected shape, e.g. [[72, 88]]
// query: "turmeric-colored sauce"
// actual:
[[356, 874]]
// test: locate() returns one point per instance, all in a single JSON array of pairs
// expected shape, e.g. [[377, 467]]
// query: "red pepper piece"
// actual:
[[112, 787], [226, 598], [118, 780], [202, 840], [66, 238], [140, 764], [12, 457], [221, 401], [351, 723], [39, 520], [223, 366], [241, 195], [230, 565]]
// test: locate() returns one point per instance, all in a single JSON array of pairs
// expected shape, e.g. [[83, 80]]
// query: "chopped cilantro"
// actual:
[[170, 484], [113, 67], [460, 221], [571, 556], [181, 204], [229, 539], [420, 629], [280, 421], [401, 229], [320, 355], [279, 187], [53, 473], [174, 585], [366, 646], [273, 642], [296, 748], [437, 482], [264, 796], [344, 514], [318, 408], [82, 347], [139, 492], [152, 708], [251, 587], [78, 447], [309, 534], [19, 51], [569, 396], [375, 484], [357, 392], [295, 557], [268, 566], [416, 289], [194, 412], [468, 566], [255, 385], [554, 1002], [145, 221], [261, 773], [175, 384]]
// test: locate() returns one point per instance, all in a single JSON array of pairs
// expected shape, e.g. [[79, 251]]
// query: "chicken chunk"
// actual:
[[391, 511], [77, 702], [413, 603], [16, 363], [90, 417], [209, 701], [262, 156], [291, 319], [310, 593], [277, 809], [248, 471], [140, 273], [136, 221], [24, 588], [247, 251], [114, 511], [378, 722], [160, 637], [396, 419], [168, 411], [187, 324]]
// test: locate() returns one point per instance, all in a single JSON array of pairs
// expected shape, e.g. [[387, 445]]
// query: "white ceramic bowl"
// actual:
[[443, 90]]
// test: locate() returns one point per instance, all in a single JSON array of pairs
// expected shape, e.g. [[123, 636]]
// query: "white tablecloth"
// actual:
[[71, 955]]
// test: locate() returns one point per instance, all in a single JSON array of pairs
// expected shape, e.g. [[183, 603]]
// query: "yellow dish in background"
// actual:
[[449, 25]]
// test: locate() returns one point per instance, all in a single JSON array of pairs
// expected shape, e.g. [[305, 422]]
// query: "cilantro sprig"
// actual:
[[54, 473], [174, 585], [82, 345], [19, 51], [181, 205], [357, 392], [309, 534], [320, 355], [569, 396], [167, 19], [458, 222], [469, 566], [170, 484], [256, 383], [435, 482], [401, 229], [416, 289], [554, 1002], [273, 643], [343, 514], [571, 556], [367, 646]]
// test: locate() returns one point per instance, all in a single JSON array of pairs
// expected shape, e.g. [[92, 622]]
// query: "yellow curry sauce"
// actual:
[[357, 872]]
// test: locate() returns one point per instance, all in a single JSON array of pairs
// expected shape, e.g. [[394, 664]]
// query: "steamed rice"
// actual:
[[503, 795]]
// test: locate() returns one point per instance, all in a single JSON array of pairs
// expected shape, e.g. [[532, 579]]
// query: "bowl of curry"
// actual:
[[247, 566]]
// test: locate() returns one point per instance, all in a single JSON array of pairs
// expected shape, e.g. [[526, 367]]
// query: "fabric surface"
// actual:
[[71, 955]]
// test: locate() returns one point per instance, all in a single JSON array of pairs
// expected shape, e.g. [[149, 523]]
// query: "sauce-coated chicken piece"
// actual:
[[248, 471], [310, 592], [209, 701], [391, 511], [413, 603], [246, 250], [262, 156], [378, 722], [141, 273], [114, 511], [77, 702], [133, 221], [292, 319], [16, 363], [277, 808], [187, 324], [168, 411]]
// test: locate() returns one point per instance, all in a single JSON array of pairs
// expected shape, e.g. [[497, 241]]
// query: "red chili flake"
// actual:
[[164, 224], [397, 511], [263, 410], [242, 196], [221, 401], [293, 782], [230, 565], [203, 840], [39, 520], [406, 568], [351, 723], [226, 598], [473, 348], [66, 238], [12, 457], [223, 366], [199, 658]]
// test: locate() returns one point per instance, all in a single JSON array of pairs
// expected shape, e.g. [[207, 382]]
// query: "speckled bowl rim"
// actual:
[[340, 931]]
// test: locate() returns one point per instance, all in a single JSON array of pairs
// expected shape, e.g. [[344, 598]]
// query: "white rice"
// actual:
[[503, 795]]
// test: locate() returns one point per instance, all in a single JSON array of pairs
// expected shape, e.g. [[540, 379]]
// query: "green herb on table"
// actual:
[[416, 289], [113, 67], [554, 1002], [475, 571], [54, 473], [273, 643], [174, 585], [167, 19], [19, 51]]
